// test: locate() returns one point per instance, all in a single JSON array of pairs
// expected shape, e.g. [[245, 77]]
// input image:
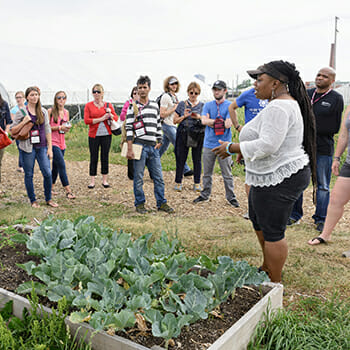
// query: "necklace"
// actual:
[[99, 104], [281, 94]]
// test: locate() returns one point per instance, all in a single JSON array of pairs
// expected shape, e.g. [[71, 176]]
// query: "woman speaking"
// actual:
[[278, 147]]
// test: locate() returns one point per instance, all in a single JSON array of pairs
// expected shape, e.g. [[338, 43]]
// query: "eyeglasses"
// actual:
[[18, 97], [193, 93], [96, 91], [61, 97]]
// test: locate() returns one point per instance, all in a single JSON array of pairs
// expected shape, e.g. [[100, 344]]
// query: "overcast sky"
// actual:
[[183, 37]]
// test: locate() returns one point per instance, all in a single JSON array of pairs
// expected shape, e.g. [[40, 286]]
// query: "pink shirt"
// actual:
[[58, 138], [125, 109]]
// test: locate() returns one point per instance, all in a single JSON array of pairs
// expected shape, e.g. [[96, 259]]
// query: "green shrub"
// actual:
[[37, 329]]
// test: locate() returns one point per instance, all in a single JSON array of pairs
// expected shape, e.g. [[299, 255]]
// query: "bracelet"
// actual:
[[237, 127], [336, 158], [228, 149]]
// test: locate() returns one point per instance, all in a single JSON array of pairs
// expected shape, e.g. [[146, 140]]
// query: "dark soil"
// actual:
[[198, 336]]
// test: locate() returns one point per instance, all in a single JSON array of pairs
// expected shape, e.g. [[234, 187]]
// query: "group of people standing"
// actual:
[[45, 141], [287, 138]]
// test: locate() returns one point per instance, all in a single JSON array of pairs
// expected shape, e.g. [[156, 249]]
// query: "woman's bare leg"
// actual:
[[340, 196], [275, 256]]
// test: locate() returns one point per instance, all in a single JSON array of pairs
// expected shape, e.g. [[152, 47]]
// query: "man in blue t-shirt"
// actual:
[[216, 117], [252, 107]]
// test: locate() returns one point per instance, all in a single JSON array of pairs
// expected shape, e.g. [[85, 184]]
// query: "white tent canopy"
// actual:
[[4, 93], [76, 73], [345, 91]]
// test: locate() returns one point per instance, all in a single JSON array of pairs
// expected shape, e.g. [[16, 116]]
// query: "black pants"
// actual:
[[181, 153], [103, 142]]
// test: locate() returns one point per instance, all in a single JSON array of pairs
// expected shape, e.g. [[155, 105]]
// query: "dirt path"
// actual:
[[121, 191]]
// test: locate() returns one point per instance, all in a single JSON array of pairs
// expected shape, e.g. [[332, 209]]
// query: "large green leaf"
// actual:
[[58, 267], [138, 302], [94, 257], [122, 320], [27, 287], [56, 293], [196, 303], [78, 316], [170, 326], [28, 266]]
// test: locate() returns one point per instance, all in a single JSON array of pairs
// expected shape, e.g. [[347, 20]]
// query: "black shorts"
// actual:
[[271, 206], [345, 170]]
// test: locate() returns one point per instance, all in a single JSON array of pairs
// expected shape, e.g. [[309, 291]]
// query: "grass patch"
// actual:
[[309, 324]]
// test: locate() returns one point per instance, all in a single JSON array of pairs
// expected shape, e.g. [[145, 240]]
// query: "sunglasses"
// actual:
[[174, 84], [61, 97], [135, 93], [193, 93], [96, 91]]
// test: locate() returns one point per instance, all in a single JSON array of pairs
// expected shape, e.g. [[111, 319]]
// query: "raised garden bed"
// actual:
[[201, 334], [235, 338]]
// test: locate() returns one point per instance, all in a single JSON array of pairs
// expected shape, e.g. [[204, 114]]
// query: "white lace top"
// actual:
[[271, 144]]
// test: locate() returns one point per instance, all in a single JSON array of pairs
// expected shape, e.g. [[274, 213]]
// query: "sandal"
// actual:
[[35, 205], [70, 195], [52, 204], [316, 241]]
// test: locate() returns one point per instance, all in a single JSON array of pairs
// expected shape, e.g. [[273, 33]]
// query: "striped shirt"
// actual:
[[149, 114]]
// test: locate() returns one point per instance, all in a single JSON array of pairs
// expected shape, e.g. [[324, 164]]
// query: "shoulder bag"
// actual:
[[4, 139], [21, 132]]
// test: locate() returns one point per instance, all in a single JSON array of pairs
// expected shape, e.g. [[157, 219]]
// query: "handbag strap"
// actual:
[[23, 112]]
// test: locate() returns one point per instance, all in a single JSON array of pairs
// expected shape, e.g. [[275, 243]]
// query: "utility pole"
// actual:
[[332, 60]]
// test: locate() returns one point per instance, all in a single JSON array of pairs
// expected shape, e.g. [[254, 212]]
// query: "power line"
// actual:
[[189, 47], [218, 43]]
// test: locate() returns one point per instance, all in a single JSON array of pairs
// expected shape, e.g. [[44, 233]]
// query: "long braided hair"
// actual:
[[297, 90]]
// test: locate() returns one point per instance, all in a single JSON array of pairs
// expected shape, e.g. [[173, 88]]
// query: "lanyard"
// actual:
[[139, 104], [217, 106], [313, 96]]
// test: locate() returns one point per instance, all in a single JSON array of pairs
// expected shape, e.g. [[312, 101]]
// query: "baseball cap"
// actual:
[[268, 69], [219, 84], [172, 81]]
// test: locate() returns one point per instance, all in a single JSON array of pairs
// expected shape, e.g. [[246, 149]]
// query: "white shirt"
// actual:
[[271, 144], [167, 102]]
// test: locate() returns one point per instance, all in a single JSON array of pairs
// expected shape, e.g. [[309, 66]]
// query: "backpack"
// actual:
[[160, 97]]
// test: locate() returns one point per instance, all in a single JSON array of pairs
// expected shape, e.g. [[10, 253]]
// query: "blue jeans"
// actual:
[[323, 173], [20, 156], [151, 158], [40, 154], [169, 135], [59, 166]]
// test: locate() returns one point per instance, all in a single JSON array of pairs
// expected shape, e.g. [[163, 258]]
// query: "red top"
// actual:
[[92, 112]]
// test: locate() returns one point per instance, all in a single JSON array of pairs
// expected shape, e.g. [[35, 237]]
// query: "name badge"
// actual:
[[34, 136], [139, 128]]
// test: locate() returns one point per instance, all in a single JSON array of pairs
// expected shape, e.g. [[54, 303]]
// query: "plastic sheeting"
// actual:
[[76, 73]]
